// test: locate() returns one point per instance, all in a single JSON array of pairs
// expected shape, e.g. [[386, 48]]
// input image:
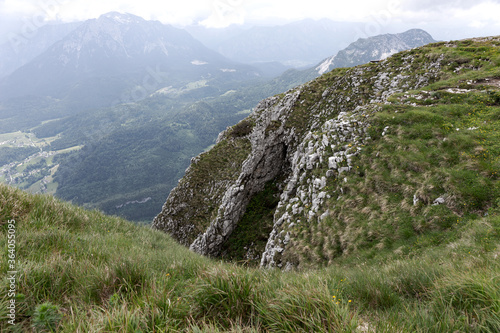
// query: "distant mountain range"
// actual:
[[297, 44], [119, 58], [360, 52], [22, 49], [122, 58]]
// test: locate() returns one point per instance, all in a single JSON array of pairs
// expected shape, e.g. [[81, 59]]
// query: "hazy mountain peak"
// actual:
[[13, 56], [296, 44], [375, 48], [124, 18], [118, 52]]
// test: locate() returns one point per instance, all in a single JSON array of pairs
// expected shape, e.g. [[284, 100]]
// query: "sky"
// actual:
[[444, 19]]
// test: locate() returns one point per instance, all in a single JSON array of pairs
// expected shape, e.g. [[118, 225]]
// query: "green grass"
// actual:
[[439, 144], [82, 271], [423, 156]]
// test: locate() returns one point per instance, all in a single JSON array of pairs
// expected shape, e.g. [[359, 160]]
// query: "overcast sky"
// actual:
[[444, 19]]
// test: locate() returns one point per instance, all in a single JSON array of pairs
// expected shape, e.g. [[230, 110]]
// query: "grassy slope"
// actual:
[[105, 274], [442, 141]]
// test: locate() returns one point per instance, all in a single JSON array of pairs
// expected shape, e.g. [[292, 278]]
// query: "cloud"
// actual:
[[225, 13], [13, 8], [173, 11], [316, 9], [441, 5], [447, 20], [384, 15], [447, 11]]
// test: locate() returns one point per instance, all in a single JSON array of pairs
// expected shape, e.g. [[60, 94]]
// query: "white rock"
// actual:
[[332, 162], [343, 169], [438, 201], [287, 238], [323, 182]]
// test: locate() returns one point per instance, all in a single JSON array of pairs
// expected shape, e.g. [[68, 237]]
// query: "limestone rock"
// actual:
[[322, 128]]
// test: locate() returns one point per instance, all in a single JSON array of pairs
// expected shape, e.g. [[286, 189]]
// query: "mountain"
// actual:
[[378, 47], [296, 44], [21, 49], [65, 140], [360, 161], [119, 58], [360, 52]]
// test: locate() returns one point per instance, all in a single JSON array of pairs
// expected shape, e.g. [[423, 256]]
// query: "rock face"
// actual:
[[375, 48], [317, 127], [311, 137]]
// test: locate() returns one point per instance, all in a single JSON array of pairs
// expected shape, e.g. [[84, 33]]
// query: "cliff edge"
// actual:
[[362, 159]]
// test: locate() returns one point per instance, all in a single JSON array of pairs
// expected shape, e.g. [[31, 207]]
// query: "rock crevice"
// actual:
[[310, 136]]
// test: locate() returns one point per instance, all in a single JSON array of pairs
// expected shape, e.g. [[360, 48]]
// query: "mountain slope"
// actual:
[[378, 47], [119, 58], [82, 271], [371, 158], [22, 49]]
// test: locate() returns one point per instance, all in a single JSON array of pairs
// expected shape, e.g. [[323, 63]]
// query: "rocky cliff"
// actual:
[[348, 154], [375, 48]]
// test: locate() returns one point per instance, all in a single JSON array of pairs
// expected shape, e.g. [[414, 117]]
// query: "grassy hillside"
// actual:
[[379, 161], [431, 165], [82, 271], [411, 241]]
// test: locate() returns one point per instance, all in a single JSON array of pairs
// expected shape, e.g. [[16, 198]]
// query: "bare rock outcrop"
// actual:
[[310, 134]]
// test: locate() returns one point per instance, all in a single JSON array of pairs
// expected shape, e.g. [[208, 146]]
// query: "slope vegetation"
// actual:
[[82, 271], [373, 160]]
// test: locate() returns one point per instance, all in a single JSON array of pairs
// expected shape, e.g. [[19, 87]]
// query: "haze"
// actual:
[[445, 20]]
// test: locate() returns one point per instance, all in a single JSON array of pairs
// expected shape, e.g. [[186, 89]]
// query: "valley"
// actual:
[[28, 163]]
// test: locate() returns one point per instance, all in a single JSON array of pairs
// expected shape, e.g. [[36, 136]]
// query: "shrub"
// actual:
[[46, 317], [242, 128]]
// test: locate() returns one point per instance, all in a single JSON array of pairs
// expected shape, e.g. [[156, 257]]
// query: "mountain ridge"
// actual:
[[116, 55], [312, 135], [375, 48]]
